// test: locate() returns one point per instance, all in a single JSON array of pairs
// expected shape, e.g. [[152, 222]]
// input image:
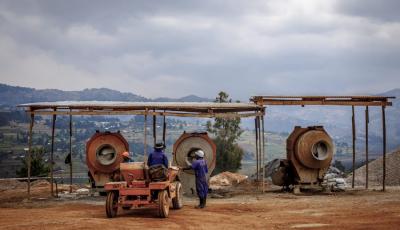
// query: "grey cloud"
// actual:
[[385, 10], [174, 48]]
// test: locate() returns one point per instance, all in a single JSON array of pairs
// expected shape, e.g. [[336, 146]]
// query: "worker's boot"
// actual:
[[200, 203], [204, 202]]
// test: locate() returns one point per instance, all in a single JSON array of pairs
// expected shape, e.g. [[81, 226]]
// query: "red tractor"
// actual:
[[138, 190]]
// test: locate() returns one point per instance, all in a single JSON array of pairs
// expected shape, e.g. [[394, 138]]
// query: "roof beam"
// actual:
[[323, 100], [150, 113]]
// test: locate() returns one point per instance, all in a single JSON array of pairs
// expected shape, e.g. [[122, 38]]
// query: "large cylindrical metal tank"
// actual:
[[309, 155], [103, 156], [183, 153]]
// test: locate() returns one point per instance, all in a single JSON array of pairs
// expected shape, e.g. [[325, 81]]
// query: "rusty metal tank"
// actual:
[[104, 155], [183, 154], [309, 155]]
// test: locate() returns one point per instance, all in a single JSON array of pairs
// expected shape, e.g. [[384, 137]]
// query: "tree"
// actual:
[[226, 133], [38, 165], [338, 164]]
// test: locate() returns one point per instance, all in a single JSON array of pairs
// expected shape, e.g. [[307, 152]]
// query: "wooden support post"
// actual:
[[256, 129], [263, 154], [259, 143], [52, 154], [70, 152], [384, 148], [366, 146], [164, 129], [154, 129], [30, 153], [145, 138], [353, 125]]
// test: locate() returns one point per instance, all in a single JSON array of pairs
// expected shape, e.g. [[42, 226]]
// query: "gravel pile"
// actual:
[[375, 171], [11, 184]]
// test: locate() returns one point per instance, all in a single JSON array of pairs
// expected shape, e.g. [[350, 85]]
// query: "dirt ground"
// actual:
[[346, 210]]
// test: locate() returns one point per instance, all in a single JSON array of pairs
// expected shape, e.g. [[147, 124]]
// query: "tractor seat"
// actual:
[[134, 172]]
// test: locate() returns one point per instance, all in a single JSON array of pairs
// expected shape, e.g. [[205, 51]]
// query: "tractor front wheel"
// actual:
[[163, 204], [177, 201], [112, 204]]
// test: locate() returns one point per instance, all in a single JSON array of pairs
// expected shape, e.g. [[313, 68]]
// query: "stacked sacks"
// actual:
[[334, 180]]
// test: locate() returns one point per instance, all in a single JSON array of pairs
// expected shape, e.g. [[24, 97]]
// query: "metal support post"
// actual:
[[154, 129], [30, 153], [384, 148], [256, 129], [366, 146], [145, 137], [353, 125], [263, 153], [52, 154], [164, 129], [70, 153]]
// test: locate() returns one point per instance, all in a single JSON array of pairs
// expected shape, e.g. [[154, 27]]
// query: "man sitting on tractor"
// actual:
[[158, 157], [158, 164]]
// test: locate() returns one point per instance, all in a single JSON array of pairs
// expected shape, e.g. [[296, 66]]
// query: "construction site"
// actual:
[[301, 191]]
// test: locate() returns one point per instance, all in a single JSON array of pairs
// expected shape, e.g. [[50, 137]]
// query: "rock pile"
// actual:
[[334, 180]]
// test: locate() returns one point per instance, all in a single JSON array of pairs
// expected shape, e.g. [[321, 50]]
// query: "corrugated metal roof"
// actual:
[[180, 109]]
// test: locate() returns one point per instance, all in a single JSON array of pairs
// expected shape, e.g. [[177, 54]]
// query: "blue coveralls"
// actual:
[[157, 157], [200, 169]]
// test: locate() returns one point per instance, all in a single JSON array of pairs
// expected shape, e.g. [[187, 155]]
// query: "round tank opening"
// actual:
[[190, 157], [320, 150], [106, 154]]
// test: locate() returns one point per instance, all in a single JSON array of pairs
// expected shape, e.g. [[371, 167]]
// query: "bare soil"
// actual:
[[273, 210]]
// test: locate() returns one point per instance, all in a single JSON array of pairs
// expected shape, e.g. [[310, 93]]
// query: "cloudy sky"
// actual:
[[176, 48]]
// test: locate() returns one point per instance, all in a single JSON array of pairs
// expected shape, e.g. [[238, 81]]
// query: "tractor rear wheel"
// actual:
[[177, 201], [112, 204], [163, 204]]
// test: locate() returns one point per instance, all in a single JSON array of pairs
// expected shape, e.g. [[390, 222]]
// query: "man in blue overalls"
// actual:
[[158, 157], [200, 169]]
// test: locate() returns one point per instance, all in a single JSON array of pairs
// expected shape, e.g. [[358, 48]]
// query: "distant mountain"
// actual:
[[14, 95], [190, 98]]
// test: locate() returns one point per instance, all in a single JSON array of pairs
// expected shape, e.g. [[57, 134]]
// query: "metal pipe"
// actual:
[[384, 148], [70, 152], [263, 154], [52, 154], [256, 129], [366, 146], [154, 129], [353, 125], [30, 154]]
